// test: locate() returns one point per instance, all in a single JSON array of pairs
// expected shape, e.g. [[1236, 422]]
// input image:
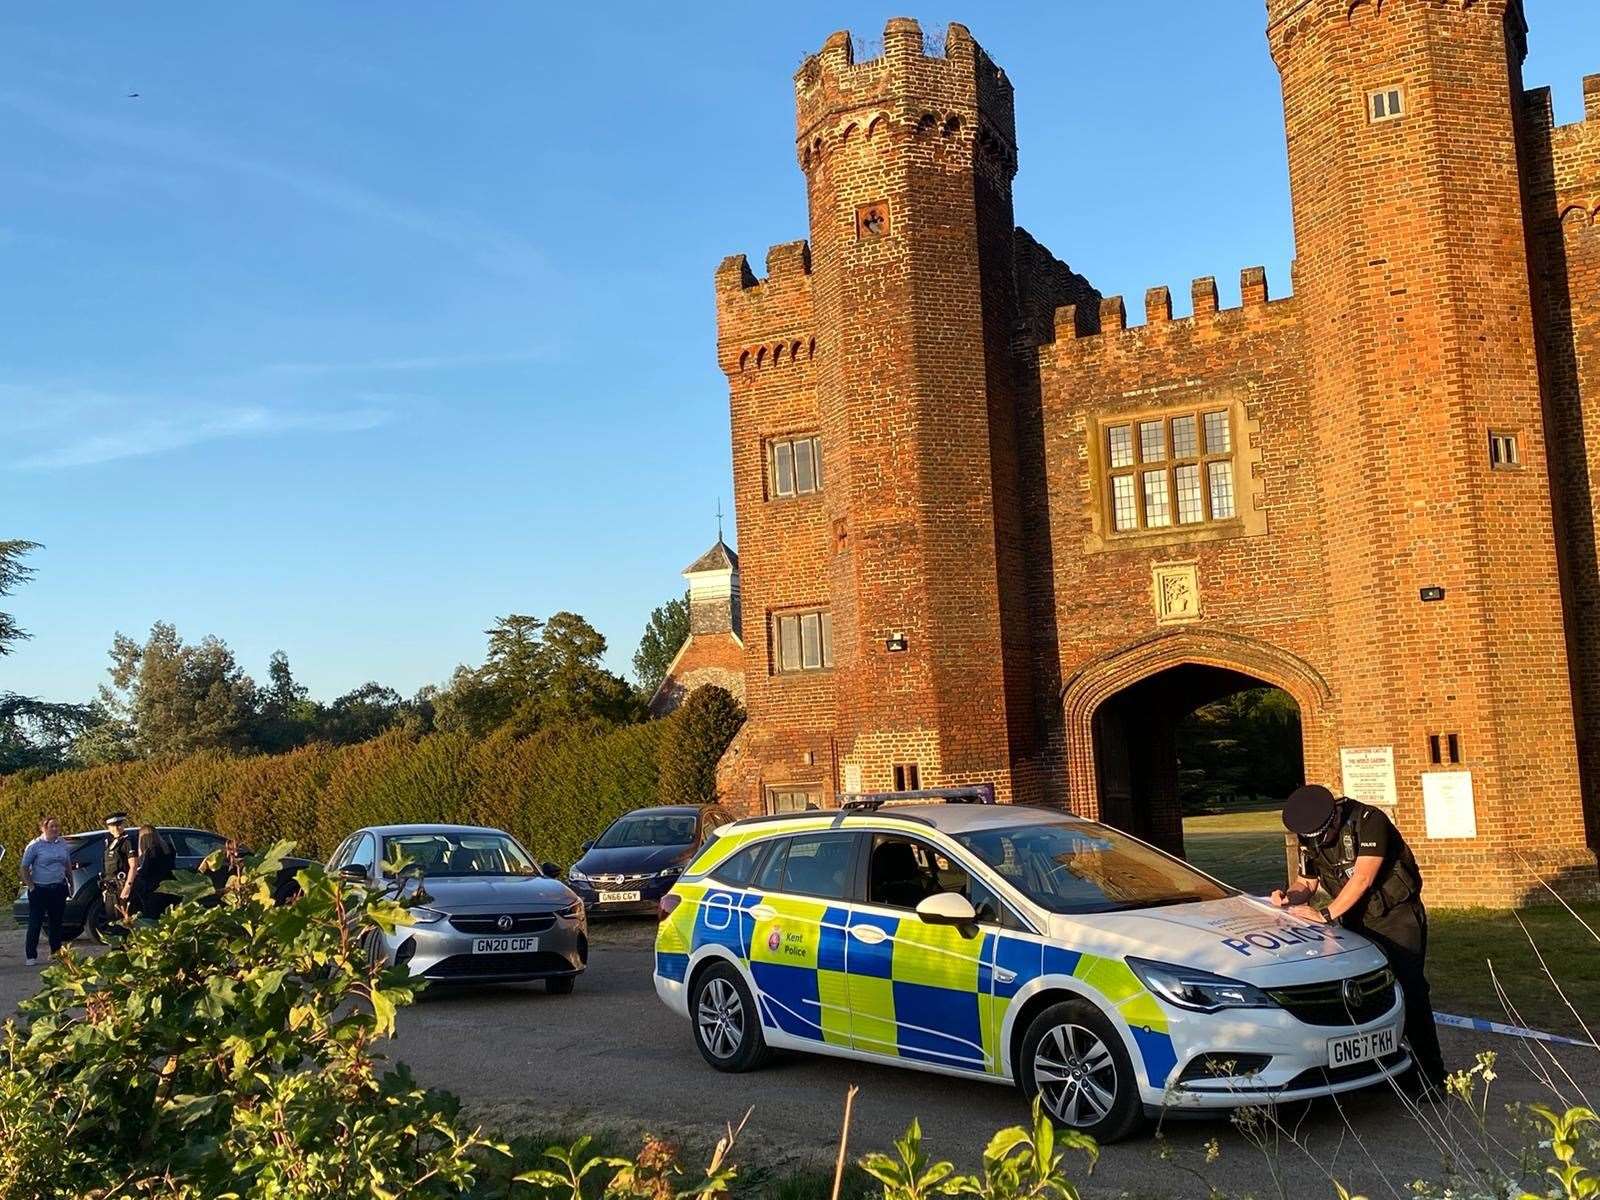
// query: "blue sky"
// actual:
[[362, 324]]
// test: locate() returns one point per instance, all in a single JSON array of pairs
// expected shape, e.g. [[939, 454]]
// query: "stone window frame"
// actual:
[[1394, 100], [1500, 441], [1249, 518], [791, 792], [771, 445], [799, 613]]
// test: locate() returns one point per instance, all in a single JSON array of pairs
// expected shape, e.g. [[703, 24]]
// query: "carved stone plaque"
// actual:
[[1176, 590]]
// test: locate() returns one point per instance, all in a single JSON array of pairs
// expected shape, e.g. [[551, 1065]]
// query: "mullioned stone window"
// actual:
[[1180, 474], [794, 466]]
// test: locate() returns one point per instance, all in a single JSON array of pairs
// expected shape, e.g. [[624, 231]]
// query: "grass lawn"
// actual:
[[1464, 942], [1245, 849]]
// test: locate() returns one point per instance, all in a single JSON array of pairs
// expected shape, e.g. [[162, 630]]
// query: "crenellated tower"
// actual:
[[908, 158], [1413, 284]]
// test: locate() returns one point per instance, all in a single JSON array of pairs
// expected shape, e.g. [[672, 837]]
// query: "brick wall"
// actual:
[[961, 379]]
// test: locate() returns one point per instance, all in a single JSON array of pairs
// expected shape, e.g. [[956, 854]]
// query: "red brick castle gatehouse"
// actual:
[[993, 529]]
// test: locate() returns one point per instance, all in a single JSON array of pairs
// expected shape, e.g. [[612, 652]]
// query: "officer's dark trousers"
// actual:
[[47, 904], [1402, 934]]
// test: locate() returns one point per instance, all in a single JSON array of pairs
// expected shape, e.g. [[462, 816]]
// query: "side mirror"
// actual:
[[947, 908], [551, 870], [353, 873]]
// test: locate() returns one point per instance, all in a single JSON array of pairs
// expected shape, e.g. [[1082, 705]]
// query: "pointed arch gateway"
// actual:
[[1120, 712]]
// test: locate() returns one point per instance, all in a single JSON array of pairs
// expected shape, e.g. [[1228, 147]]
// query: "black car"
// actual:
[[86, 913], [629, 867]]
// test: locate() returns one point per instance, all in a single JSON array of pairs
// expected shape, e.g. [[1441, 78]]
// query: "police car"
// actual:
[[1020, 945]]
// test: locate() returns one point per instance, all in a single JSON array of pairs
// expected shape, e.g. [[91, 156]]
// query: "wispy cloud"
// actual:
[[173, 431], [493, 248], [425, 362]]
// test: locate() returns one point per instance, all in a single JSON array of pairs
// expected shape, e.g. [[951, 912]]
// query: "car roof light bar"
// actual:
[[982, 793]]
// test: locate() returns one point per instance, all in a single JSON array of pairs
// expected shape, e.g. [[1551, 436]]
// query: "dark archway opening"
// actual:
[[1214, 745]]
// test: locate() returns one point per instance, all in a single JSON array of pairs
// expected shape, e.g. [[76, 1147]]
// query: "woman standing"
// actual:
[[141, 893], [46, 873]]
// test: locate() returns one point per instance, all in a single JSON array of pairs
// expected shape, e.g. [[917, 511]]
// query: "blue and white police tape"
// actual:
[[1482, 1026]]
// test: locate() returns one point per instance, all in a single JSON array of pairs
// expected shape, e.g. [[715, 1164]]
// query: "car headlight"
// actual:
[[426, 916], [1197, 991], [572, 911], [669, 873], [576, 875]]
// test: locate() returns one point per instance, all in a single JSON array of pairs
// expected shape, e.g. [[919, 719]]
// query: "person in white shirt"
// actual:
[[46, 873]]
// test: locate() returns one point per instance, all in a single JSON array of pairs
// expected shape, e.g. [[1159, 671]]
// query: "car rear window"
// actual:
[[739, 868]]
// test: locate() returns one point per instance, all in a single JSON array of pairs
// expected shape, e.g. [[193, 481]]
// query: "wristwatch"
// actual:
[[1327, 917]]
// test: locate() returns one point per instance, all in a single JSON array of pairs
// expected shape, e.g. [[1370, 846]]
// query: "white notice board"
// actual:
[[1447, 804], [1368, 774]]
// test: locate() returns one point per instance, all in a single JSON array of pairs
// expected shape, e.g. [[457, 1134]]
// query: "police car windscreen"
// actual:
[[674, 829], [445, 854], [1077, 868]]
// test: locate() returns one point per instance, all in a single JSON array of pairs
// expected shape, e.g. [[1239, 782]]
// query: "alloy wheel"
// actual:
[[720, 1016], [1076, 1074]]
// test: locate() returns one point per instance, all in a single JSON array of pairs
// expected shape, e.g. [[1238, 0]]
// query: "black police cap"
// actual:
[[1307, 810], [117, 818]]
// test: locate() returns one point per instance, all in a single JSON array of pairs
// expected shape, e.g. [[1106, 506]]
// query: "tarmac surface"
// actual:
[[610, 1057]]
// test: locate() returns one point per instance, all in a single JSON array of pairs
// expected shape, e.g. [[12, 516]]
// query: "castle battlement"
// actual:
[[1290, 20], [767, 321], [1075, 323], [1566, 158], [904, 85]]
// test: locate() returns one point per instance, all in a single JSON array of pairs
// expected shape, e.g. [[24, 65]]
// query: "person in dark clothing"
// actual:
[[1353, 852], [120, 856], [151, 869]]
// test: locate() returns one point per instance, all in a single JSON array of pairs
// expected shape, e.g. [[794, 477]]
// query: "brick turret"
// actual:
[[908, 160], [1413, 283]]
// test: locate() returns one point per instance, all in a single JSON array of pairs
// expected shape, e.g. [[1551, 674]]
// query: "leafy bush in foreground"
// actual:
[[225, 1051]]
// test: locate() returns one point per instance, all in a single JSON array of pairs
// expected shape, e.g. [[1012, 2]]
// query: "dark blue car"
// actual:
[[629, 867]]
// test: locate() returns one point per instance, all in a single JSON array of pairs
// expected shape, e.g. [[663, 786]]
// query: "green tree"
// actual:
[[1241, 748], [693, 742], [33, 733], [227, 1050], [179, 698], [664, 636], [537, 673], [362, 713]]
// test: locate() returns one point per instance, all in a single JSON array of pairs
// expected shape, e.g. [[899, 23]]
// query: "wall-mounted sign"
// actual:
[[1447, 804], [1368, 774]]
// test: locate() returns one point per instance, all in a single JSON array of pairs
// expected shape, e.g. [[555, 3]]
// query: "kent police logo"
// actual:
[[775, 939]]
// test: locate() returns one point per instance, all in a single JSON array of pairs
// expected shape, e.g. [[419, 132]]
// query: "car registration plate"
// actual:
[[1361, 1047], [618, 897], [504, 945]]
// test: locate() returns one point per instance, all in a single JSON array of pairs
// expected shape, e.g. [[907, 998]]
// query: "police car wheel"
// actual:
[[726, 1027], [99, 927], [1074, 1060]]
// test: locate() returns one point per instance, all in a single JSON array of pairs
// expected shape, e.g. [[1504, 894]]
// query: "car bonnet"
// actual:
[[1237, 936], [507, 893]]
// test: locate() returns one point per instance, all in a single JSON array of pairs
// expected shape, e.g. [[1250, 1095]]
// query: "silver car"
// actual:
[[487, 911]]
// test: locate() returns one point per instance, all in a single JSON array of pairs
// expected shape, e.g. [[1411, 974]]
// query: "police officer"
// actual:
[[1353, 852], [121, 854]]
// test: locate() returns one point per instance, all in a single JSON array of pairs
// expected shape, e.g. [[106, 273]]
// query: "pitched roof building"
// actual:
[[713, 652]]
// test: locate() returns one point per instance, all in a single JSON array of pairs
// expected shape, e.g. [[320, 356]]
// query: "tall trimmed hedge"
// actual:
[[553, 790]]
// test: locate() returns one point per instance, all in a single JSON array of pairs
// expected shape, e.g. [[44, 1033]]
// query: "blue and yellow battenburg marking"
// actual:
[[896, 985]]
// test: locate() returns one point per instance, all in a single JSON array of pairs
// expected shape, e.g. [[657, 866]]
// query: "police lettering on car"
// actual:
[[941, 931], [1353, 852]]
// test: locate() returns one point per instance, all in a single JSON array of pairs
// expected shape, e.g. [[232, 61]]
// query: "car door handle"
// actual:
[[870, 934], [1002, 975], [763, 912]]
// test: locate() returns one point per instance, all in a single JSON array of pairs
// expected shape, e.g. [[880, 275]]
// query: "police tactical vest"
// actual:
[[1398, 882]]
